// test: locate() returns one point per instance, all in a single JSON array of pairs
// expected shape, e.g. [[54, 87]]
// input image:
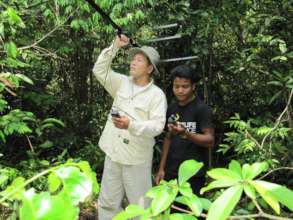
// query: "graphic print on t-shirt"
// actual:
[[189, 125]]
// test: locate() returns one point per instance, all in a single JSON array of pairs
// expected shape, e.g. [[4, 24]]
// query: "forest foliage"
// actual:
[[53, 110]]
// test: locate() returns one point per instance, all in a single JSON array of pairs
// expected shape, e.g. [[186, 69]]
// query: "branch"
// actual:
[[49, 33], [279, 119], [280, 168], [252, 138], [46, 52], [30, 144], [240, 217]]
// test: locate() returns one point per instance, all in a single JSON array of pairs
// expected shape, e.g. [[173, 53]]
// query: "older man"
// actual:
[[128, 137]]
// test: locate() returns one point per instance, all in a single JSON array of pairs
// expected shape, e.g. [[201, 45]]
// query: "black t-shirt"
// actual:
[[195, 116]]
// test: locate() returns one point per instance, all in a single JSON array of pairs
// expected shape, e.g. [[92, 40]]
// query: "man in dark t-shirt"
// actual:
[[190, 133]]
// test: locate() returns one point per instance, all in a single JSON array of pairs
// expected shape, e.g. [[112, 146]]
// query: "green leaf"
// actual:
[[235, 167], [24, 78], [75, 24], [54, 182], [206, 204], [258, 168], [13, 17], [177, 216], [154, 191], [11, 49], [194, 204], [281, 193], [131, 211], [281, 58], [266, 195], [283, 47], [47, 144], [188, 169], [222, 173], [43, 206], [249, 190], [185, 189], [219, 184], [15, 184], [53, 121], [222, 207], [86, 169], [76, 185], [163, 200], [275, 96], [247, 171]]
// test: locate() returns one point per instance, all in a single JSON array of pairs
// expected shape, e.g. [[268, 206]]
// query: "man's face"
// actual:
[[183, 89], [139, 66]]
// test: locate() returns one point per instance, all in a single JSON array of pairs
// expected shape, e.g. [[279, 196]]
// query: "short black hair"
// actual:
[[183, 71]]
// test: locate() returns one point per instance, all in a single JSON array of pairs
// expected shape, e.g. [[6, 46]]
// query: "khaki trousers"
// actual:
[[120, 180]]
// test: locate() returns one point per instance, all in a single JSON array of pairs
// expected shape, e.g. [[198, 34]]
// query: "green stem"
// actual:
[[33, 179]]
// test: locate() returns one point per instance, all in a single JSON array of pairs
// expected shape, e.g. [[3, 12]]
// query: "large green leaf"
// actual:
[[223, 174], [86, 169], [258, 168], [43, 206], [219, 184], [235, 167], [194, 204], [15, 184], [188, 169], [163, 200], [206, 204], [75, 184], [154, 191], [281, 193], [247, 171], [222, 207], [186, 190], [267, 195], [54, 182], [249, 190]]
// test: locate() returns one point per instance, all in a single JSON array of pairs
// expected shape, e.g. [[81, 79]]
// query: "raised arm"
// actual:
[[102, 70]]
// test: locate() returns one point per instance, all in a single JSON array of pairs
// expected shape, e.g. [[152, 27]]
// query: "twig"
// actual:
[[181, 210], [257, 215], [257, 206], [10, 91], [279, 119], [30, 144], [280, 168], [252, 138], [45, 52], [49, 33]]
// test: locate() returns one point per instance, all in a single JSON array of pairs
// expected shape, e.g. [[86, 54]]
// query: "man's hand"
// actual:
[[121, 122], [159, 176], [121, 41], [176, 129]]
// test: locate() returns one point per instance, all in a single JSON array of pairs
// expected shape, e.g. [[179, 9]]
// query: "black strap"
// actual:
[[105, 16]]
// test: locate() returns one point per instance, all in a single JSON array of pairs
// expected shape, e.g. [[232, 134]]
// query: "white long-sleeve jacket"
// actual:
[[146, 110]]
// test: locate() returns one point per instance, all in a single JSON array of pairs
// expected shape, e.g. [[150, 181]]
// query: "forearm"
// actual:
[[204, 140], [103, 64], [102, 70], [165, 151]]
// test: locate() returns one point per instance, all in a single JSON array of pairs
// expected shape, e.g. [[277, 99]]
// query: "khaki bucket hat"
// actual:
[[150, 52]]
